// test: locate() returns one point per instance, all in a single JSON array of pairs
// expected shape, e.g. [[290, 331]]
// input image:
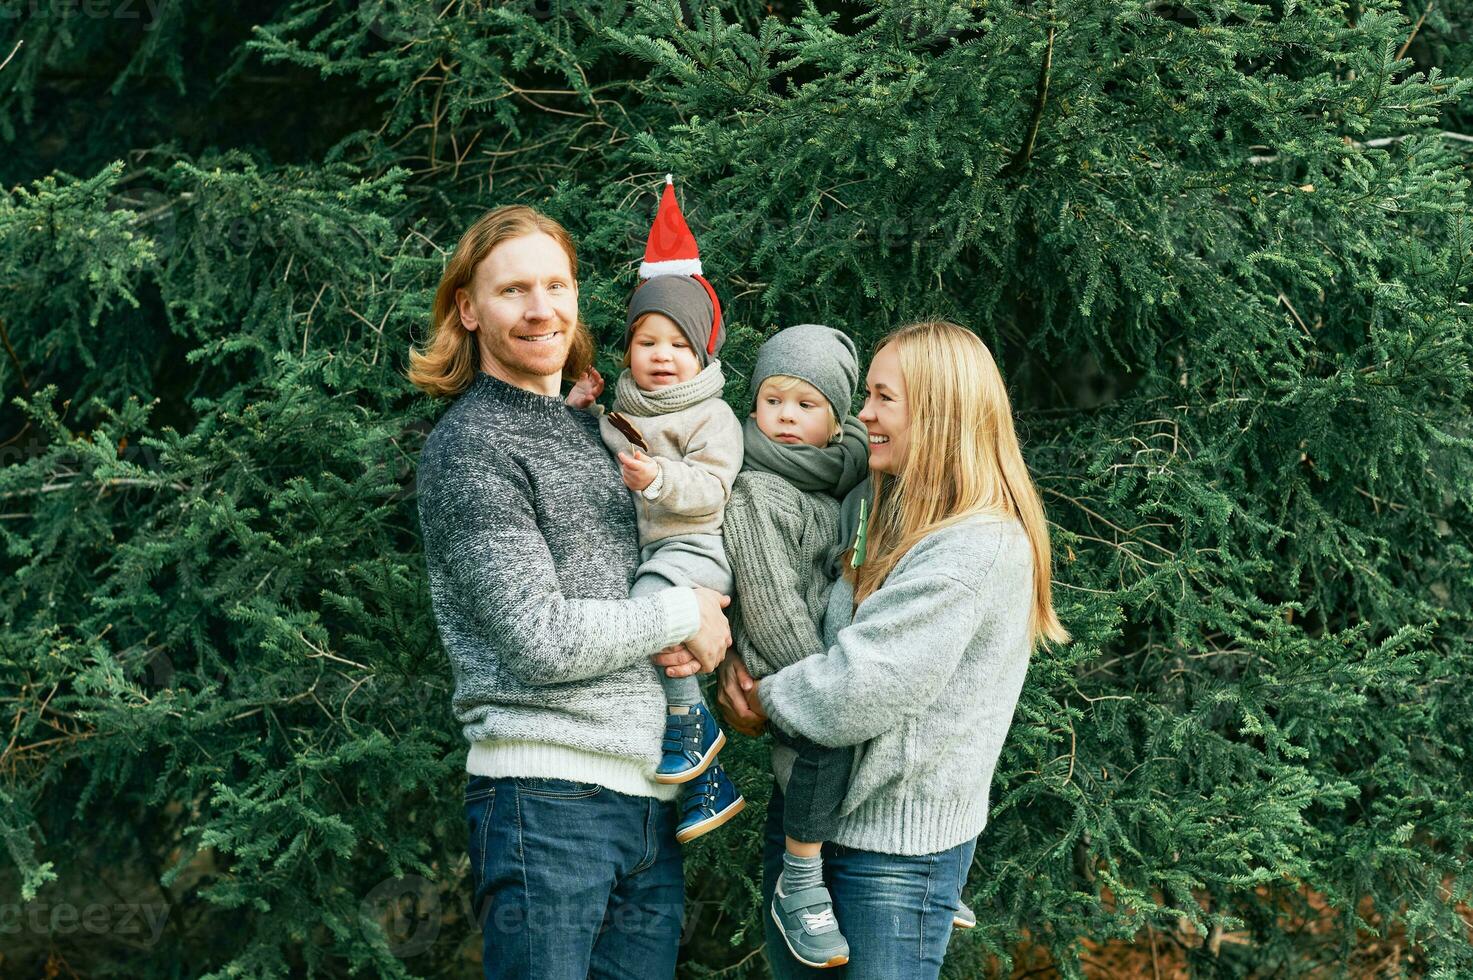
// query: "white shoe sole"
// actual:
[[957, 922], [710, 823], [698, 768], [838, 959]]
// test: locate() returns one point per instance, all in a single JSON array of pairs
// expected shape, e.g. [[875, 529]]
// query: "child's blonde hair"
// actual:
[[962, 459], [786, 382]]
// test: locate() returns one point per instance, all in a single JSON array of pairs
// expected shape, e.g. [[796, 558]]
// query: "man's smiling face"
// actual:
[[522, 303]]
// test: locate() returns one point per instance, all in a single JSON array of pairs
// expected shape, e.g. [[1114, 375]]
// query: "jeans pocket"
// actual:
[[480, 799], [479, 788], [558, 789]]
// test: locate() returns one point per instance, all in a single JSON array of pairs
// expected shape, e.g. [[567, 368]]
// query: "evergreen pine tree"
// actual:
[[1220, 250]]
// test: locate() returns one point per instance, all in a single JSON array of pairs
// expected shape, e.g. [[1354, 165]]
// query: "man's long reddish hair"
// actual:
[[446, 364]]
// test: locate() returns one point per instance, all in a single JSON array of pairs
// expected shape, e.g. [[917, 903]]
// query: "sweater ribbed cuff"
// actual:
[[681, 614], [652, 492], [499, 758], [770, 697]]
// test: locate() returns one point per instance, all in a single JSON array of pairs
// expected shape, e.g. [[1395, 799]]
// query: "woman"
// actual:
[[928, 632]]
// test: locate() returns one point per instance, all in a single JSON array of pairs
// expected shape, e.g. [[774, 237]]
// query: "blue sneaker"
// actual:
[[709, 802], [691, 743]]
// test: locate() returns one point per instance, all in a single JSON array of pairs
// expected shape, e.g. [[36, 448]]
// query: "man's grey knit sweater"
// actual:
[[530, 543]]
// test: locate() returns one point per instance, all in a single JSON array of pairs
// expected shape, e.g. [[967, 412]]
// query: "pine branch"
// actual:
[[1040, 99], [1401, 52]]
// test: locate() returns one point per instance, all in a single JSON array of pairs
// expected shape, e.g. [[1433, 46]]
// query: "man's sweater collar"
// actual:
[[493, 389]]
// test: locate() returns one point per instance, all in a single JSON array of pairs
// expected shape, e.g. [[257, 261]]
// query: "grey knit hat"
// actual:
[[822, 356], [683, 300]]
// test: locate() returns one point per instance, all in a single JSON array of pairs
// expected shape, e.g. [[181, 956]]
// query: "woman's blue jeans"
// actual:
[[573, 881], [894, 910]]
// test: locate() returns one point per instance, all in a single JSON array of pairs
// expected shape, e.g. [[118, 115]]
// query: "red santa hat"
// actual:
[[671, 250]]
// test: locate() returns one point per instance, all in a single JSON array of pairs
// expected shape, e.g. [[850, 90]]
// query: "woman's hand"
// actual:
[[754, 704], [587, 390], [737, 689]]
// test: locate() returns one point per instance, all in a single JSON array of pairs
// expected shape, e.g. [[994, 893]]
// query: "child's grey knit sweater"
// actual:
[[530, 543], [777, 539], [926, 675]]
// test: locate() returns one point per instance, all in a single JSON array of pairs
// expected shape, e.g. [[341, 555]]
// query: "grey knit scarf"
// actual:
[[630, 399], [834, 469]]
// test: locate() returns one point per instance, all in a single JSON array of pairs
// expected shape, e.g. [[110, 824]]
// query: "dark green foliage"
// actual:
[[1220, 250]]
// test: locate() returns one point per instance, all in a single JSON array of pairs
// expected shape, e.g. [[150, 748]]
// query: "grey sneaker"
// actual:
[[964, 917], [806, 920]]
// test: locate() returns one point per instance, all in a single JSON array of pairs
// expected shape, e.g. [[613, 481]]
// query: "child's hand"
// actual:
[[587, 390], [638, 470]]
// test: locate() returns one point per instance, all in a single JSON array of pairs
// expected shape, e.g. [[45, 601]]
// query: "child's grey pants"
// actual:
[[816, 788], [682, 560]]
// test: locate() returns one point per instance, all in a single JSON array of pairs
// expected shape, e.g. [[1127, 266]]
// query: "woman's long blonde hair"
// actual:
[[962, 459], [447, 363]]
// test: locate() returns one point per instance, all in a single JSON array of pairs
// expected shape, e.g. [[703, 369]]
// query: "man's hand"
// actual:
[[639, 471], [680, 660], [587, 390], [677, 661], [709, 644], [736, 686]]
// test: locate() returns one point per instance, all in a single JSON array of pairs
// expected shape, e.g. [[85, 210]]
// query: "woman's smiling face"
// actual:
[[885, 415]]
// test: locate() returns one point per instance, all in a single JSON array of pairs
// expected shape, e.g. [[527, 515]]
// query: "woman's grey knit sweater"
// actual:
[[923, 677]]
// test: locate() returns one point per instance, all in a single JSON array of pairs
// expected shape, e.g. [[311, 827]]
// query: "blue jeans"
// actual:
[[573, 881], [894, 910]]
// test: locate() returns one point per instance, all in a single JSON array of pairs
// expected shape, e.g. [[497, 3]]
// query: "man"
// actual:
[[530, 542]]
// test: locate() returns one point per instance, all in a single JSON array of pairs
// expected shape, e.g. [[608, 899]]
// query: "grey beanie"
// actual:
[[822, 356], [683, 300]]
